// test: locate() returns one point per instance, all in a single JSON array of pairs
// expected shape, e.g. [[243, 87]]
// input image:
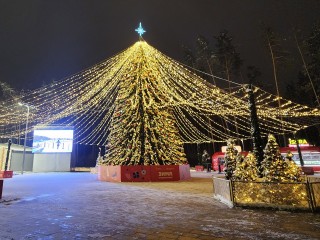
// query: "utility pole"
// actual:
[[8, 154], [25, 136], [299, 150], [255, 129]]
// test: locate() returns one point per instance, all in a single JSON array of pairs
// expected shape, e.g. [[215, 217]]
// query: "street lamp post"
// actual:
[[25, 136]]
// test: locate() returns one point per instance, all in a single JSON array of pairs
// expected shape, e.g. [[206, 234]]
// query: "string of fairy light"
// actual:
[[203, 112]]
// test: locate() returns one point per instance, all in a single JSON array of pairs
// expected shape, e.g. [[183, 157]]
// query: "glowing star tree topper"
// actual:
[[140, 30]]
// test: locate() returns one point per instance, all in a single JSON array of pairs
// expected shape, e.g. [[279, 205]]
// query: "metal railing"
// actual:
[[314, 188]]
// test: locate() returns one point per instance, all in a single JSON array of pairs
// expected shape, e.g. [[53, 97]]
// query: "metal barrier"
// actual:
[[222, 191], [315, 195]]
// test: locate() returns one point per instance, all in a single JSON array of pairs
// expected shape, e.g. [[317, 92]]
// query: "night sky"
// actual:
[[45, 40]]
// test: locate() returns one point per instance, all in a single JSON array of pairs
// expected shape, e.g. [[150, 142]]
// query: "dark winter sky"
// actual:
[[45, 40]]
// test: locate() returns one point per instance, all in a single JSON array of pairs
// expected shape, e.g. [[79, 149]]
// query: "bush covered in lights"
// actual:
[[275, 168]]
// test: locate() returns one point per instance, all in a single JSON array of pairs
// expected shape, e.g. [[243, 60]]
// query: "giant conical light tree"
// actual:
[[142, 130]]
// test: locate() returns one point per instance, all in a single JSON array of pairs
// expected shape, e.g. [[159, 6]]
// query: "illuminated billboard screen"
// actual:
[[52, 140]]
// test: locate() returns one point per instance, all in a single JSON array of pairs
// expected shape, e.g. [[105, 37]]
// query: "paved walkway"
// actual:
[[77, 206]]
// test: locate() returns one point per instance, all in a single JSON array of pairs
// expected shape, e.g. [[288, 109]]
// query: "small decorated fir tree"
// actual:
[[230, 159], [246, 169], [238, 170], [275, 167], [293, 171], [239, 159], [273, 164], [100, 158]]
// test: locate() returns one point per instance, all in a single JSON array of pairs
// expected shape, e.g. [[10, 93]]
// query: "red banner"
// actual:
[[141, 173], [6, 174]]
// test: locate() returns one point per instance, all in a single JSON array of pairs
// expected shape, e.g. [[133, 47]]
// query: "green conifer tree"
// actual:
[[246, 169], [273, 164], [293, 171], [142, 132], [230, 159]]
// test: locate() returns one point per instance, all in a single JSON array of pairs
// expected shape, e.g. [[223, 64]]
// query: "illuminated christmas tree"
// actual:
[[246, 168], [293, 171], [277, 169], [230, 159], [142, 131], [273, 164]]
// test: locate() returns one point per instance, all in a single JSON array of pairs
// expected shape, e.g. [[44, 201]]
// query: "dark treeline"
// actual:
[[218, 56]]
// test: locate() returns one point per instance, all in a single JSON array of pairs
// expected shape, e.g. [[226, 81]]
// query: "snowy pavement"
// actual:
[[78, 206]]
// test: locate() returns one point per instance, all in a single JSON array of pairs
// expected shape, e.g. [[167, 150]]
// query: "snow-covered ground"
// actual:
[[78, 206]]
